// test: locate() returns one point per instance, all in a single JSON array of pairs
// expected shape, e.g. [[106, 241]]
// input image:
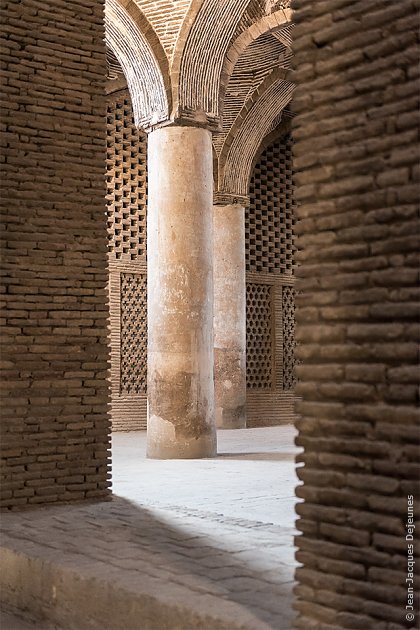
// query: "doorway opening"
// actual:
[[231, 517]]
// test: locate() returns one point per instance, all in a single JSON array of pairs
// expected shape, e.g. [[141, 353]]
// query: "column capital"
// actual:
[[221, 198], [186, 118]]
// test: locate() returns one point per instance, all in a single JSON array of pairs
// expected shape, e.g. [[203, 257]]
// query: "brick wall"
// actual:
[[357, 162], [55, 429]]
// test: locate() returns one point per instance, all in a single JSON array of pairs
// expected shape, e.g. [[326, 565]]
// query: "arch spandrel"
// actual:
[[167, 18], [259, 72], [179, 61], [275, 23], [201, 62]]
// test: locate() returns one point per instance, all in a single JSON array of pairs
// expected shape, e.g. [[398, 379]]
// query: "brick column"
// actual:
[[55, 426], [356, 158], [180, 294]]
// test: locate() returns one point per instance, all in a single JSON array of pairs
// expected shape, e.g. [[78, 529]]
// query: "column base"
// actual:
[[230, 388], [231, 418], [163, 443]]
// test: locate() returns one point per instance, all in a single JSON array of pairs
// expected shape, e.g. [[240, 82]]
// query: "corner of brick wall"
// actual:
[[356, 161], [54, 407]]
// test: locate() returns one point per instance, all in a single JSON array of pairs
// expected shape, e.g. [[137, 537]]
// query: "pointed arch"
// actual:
[[143, 60], [243, 143], [212, 25], [278, 22], [184, 31], [280, 127]]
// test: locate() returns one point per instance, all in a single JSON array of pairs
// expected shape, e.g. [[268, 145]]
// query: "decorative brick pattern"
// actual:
[[133, 333], [166, 17], [127, 252], [262, 56], [269, 220], [55, 426], [202, 64], [259, 335], [143, 60], [126, 182], [269, 255], [356, 157], [254, 89], [289, 342], [250, 129]]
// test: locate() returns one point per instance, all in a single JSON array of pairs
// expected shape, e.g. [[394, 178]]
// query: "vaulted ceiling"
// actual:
[[225, 65]]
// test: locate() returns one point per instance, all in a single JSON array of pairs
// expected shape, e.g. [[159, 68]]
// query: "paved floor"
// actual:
[[213, 536], [252, 478]]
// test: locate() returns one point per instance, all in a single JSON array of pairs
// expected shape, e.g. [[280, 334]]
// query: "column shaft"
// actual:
[[180, 294], [229, 316]]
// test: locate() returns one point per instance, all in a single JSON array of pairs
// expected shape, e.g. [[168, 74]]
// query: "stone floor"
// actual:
[[186, 544]]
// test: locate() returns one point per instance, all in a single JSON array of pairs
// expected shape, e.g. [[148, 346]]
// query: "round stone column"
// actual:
[[180, 386], [229, 316]]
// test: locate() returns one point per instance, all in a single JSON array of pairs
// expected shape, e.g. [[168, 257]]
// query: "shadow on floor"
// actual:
[[228, 574], [135, 544]]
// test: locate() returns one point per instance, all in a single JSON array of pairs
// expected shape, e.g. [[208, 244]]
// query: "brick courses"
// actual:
[[357, 167], [55, 427], [166, 17], [356, 132]]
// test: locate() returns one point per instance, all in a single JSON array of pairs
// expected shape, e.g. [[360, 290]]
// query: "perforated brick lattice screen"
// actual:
[[126, 198], [288, 309], [269, 250], [133, 333], [126, 183], [259, 336], [269, 219]]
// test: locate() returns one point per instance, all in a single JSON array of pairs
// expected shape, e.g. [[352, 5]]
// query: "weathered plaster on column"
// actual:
[[229, 316], [180, 294]]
